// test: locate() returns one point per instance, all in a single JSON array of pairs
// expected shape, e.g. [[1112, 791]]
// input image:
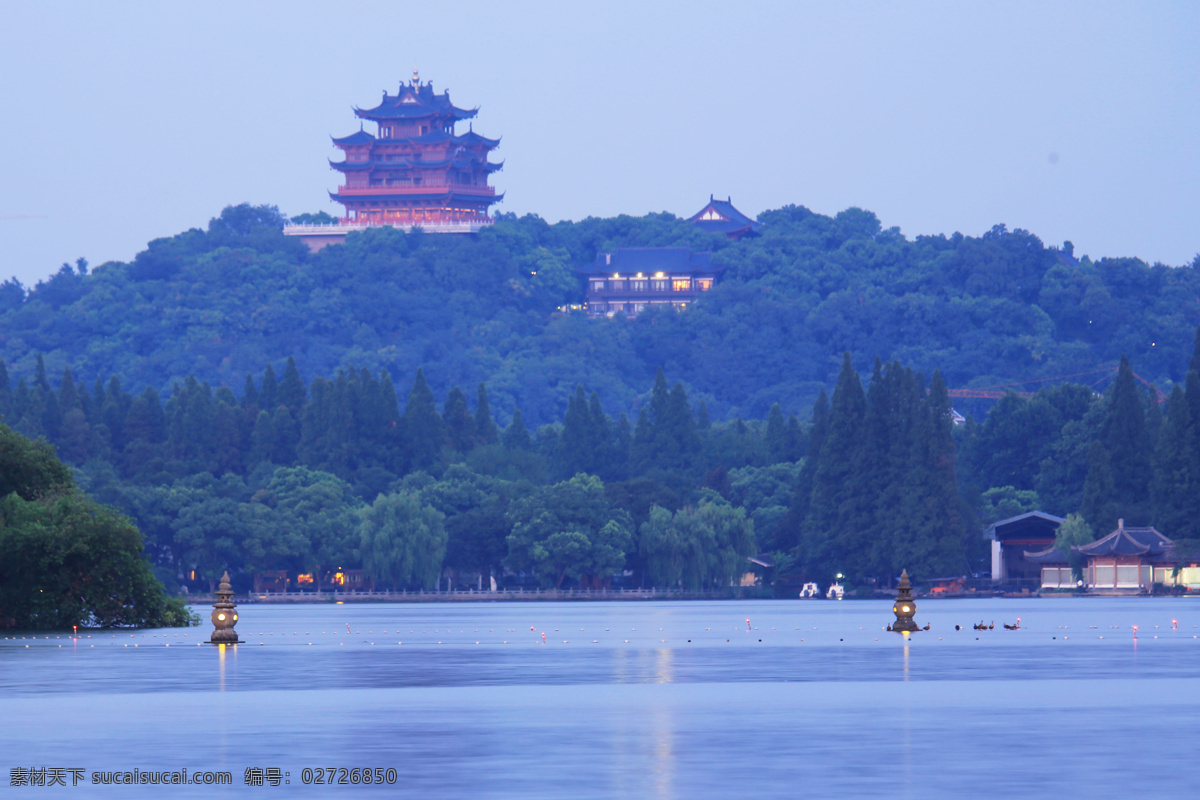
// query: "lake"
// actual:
[[808, 699]]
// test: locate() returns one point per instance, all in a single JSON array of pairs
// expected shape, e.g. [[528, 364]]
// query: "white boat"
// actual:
[[836, 591], [809, 590]]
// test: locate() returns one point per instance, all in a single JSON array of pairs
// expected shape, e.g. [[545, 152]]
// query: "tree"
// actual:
[[568, 530], [291, 392], [67, 559], [460, 426], [778, 441], [424, 431], [661, 548], [485, 426], [1099, 506], [837, 506], [1128, 447], [1073, 532], [322, 508], [1176, 485], [516, 435], [29, 468], [1003, 502], [402, 541]]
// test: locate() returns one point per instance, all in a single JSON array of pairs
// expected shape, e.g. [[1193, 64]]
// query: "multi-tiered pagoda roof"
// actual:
[[416, 170]]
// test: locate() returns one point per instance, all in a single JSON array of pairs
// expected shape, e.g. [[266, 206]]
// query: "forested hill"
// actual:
[[223, 302]]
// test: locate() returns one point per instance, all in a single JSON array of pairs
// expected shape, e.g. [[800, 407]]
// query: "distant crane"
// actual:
[[996, 392]]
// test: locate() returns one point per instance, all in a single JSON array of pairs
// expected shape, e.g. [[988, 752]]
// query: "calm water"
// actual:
[[670, 700]]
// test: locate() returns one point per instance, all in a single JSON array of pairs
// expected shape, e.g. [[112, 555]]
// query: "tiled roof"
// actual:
[[1128, 542], [415, 102], [1051, 555], [733, 220], [669, 260], [360, 137]]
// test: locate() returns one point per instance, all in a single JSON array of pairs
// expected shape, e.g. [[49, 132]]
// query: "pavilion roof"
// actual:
[[359, 137], [1051, 555], [648, 260], [1129, 542], [415, 101], [731, 220]]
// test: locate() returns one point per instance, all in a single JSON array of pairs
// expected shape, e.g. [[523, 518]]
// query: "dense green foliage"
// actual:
[[68, 560], [228, 300], [283, 443]]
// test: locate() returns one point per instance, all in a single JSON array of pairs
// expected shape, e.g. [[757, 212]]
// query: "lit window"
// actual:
[[681, 284]]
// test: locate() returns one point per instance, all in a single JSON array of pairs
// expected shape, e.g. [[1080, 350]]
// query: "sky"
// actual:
[[128, 121]]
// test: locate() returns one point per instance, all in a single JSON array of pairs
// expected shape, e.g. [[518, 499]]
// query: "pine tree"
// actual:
[[795, 439], [268, 396], [572, 455], [621, 448], [460, 425], [1194, 364], [679, 434], [516, 435], [1176, 485], [291, 391], [68, 395], [424, 430], [1099, 507], [250, 393], [602, 443], [703, 422], [1128, 448], [789, 534], [389, 440], [5, 392], [934, 510], [485, 426], [39, 375], [262, 442], [778, 446], [114, 407], [146, 422], [835, 501], [286, 437]]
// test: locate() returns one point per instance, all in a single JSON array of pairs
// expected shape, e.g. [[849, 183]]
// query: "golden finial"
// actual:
[[416, 79]]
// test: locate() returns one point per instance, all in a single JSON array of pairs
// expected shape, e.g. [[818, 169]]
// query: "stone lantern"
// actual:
[[905, 607], [224, 615]]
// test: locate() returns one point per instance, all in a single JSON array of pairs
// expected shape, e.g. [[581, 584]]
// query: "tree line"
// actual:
[[335, 474], [219, 302]]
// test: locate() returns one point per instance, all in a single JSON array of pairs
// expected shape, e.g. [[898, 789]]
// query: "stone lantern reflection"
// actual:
[[905, 608], [224, 615]]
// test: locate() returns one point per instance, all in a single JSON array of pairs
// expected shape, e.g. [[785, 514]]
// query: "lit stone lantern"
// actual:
[[224, 615], [905, 607]]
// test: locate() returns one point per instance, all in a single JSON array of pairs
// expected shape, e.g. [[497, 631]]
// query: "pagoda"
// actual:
[[414, 171]]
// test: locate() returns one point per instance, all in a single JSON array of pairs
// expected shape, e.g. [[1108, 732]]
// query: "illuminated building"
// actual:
[[415, 170], [636, 279]]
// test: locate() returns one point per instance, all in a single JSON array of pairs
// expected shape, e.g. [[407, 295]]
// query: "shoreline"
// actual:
[[551, 596]]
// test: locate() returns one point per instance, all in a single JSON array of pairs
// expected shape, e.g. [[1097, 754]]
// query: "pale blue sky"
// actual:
[[129, 121]]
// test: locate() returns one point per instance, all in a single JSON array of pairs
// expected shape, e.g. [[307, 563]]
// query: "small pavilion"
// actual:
[[1129, 559], [719, 216]]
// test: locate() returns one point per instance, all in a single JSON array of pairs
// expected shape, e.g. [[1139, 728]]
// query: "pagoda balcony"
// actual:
[[421, 188], [344, 226]]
